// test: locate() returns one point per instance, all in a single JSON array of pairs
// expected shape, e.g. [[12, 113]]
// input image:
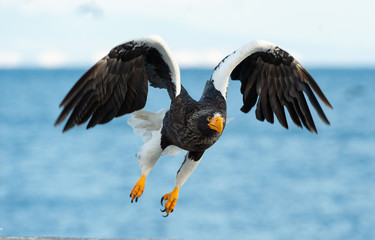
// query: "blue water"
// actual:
[[259, 181]]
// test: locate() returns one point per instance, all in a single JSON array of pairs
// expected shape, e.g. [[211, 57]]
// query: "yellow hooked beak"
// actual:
[[216, 123]]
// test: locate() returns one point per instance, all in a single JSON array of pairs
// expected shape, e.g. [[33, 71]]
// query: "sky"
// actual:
[[77, 33]]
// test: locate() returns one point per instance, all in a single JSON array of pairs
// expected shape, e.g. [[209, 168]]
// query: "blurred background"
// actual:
[[259, 181]]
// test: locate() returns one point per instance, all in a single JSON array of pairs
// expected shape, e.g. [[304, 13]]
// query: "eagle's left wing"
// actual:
[[271, 78]]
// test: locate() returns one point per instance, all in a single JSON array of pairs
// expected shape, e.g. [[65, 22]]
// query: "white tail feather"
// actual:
[[148, 125], [144, 122]]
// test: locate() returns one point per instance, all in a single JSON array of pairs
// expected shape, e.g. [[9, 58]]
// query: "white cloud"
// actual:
[[10, 59], [99, 54], [52, 59], [91, 8]]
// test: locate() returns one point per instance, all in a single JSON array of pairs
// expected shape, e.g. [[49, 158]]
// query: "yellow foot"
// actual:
[[138, 188], [171, 201]]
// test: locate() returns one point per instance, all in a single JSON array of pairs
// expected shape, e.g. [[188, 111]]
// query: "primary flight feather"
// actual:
[[270, 78]]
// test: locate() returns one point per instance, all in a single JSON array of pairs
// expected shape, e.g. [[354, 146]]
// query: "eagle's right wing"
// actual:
[[118, 83]]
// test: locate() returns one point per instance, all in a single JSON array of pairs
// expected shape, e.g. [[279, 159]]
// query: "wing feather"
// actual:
[[249, 89], [259, 110], [277, 108], [118, 83], [266, 106], [304, 110]]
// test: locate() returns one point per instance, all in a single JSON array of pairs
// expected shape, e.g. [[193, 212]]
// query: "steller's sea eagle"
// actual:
[[118, 84]]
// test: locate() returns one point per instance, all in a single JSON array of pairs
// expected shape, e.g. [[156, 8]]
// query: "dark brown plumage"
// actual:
[[276, 80], [116, 85]]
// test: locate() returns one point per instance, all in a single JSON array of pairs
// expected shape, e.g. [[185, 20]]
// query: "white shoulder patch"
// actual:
[[221, 74], [159, 44]]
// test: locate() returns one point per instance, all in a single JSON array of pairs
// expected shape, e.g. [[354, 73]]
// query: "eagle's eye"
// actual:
[[209, 118]]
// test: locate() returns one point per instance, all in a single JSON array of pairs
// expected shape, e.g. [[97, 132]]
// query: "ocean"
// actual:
[[259, 181]]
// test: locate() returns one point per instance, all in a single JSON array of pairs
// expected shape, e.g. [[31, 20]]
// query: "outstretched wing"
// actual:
[[271, 78], [118, 83]]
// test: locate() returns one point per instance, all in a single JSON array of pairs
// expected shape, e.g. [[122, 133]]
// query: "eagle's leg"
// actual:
[[148, 155], [190, 162], [138, 188]]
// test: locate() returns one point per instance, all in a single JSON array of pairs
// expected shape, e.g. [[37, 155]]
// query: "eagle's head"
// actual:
[[209, 122], [215, 122]]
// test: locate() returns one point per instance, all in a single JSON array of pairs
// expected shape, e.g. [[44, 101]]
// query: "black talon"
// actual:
[[164, 210], [161, 201], [136, 199], [132, 200]]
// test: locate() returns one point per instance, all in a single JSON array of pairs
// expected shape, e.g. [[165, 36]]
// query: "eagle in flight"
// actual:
[[270, 78]]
